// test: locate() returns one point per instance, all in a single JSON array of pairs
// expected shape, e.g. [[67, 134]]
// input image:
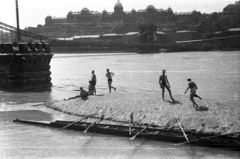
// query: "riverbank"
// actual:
[[149, 107]]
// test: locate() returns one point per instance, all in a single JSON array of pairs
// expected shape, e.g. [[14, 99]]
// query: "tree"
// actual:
[[195, 16]]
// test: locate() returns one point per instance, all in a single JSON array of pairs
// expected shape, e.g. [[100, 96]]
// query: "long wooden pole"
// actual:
[[130, 124], [132, 138], [182, 129], [18, 29], [85, 131], [73, 123]]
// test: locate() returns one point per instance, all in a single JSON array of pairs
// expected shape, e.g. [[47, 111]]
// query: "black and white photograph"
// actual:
[[120, 79]]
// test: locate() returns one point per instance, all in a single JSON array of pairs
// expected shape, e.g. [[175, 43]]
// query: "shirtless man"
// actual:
[[94, 81], [163, 81], [193, 89], [83, 93], [109, 76]]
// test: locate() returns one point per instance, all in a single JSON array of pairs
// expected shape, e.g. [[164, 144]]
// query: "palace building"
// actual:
[[177, 26], [87, 22]]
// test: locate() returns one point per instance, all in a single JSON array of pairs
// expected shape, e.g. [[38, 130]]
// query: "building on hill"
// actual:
[[86, 22], [231, 10]]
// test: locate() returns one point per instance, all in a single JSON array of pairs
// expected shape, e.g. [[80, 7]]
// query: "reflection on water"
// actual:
[[25, 97], [133, 73]]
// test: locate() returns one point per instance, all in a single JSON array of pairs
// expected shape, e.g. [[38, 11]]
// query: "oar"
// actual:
[[182, 129], [130, 124], [72, 123], [206, 138], [132, 138], [85, 131]]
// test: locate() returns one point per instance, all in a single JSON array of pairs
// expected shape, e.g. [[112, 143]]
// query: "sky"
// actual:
[[34, 12]]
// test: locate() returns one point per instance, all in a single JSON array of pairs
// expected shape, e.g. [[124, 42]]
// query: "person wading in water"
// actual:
[[163, 81], [109, 76]]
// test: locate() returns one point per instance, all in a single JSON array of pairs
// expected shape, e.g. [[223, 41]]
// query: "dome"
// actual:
[[169, 9], [49, 17], [85, 10], [104, 12], [118, 4], [151, 7], [70, 13]]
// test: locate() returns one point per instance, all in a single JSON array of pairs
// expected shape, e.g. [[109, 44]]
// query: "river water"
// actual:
[[216, 73]]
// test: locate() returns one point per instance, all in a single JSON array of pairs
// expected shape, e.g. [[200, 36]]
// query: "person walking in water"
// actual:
[[94, 82], [163, 81], [109, 76], [193, 89]]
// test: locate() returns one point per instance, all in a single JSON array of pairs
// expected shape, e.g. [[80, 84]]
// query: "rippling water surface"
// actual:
[[216, 73]]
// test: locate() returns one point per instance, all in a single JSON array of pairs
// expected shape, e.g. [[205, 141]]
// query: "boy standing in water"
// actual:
[[109, 76], [163, 81], [193, 89]]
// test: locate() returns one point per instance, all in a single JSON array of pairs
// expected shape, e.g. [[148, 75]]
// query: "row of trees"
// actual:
[[210, 23]]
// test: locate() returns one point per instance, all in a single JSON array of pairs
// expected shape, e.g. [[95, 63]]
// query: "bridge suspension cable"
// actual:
[[10, 28]]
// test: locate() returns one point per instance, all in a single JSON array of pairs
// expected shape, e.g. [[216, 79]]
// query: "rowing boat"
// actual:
[[152, 132]]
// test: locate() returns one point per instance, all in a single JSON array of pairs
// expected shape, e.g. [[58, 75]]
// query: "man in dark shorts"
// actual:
[[193, 89], [163, 81], [109, 76], [94, 81]]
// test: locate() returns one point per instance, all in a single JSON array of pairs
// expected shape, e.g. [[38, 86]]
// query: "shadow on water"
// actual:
[[26, 115], [90, 138], [137, 148], [25, 97]]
